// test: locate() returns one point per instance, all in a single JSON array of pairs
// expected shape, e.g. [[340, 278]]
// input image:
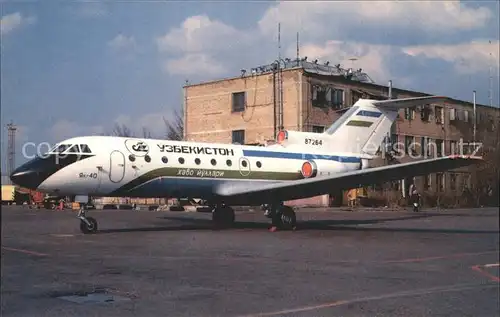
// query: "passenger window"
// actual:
[[244, 163], [147, 158], [131, 158], [197, 161], [213, 161], [181, 160], [259, 164], [164, 159], [84, 148], [229, 163]]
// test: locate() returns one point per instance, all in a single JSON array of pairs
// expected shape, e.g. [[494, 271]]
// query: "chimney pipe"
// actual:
[[390, 89]]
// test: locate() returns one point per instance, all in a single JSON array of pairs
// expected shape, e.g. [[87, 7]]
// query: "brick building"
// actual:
[[304, 96]]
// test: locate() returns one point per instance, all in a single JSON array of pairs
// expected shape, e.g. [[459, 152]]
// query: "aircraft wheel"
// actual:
[[223, 216], [85, 228], [285, 218]]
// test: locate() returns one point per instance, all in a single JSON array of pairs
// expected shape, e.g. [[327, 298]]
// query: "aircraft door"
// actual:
[[116, 167], [244, 166]]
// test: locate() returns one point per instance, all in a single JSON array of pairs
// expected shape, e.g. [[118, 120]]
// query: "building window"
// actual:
[[423, 146], [427, 182], [238, 137], [466, 181], [409, 146], [238, 101], [453, 181], [439, 148], [390, 143], [409, 113], [325, 96], [440, 182], [425, 113], [454, 148], [337, 98], [431, 148], [318, 129], [319, 96], [439, 115]]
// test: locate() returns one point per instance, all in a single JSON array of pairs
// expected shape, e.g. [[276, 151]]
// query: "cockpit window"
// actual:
[[85, 148], [74, 149], [61, 148]]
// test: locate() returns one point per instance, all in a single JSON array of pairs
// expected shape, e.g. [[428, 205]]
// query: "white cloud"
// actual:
[[13, 21], [315, 19], [122, 43], [194, 64], [373, 32], [371, 58], [64, 129], [473, 57], [200, 34], [94, 9], [202, 44]]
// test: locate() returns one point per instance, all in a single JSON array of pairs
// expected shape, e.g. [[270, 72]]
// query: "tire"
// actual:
[[86, 229], [223, 216], [285, 218]]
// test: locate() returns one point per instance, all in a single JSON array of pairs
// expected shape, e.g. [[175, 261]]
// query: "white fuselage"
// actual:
[[160, 168]]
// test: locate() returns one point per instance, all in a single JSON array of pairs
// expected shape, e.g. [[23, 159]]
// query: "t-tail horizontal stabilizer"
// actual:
[[364, 126]]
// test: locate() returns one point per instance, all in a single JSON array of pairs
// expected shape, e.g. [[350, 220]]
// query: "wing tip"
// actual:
[[470, 157]]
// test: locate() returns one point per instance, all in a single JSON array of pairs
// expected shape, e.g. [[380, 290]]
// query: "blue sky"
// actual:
[[77, 68]]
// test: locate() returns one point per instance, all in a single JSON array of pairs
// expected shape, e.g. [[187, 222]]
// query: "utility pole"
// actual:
[[474, 131], [11, 150]]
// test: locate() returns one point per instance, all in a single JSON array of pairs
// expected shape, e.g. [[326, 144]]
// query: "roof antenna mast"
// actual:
[[298, 55]]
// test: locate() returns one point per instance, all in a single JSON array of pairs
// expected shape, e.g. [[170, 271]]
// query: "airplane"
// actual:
[[298, 165]]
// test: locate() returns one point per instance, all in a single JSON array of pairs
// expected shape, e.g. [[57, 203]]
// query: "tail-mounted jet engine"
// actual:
[[313, 168]]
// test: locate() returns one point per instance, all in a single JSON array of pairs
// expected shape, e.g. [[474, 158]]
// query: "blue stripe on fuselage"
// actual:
[[301, 156], [366, 113]]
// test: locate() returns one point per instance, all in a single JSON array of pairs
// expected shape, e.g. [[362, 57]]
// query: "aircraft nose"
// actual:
[[27, 177]]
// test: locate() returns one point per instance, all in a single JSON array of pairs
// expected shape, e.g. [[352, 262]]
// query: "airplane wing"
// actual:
[[304, 188]]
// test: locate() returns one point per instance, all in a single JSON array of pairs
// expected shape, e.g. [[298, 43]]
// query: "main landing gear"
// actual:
[[282, 217], [87, 224], [223, 216]]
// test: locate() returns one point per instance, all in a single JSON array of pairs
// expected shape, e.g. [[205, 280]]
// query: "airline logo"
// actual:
[[137, 147]]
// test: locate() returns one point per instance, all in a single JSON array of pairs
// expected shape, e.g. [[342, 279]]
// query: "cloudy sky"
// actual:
[[77, 68]]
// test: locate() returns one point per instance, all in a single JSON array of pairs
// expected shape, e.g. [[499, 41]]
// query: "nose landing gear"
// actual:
[[87, 224]]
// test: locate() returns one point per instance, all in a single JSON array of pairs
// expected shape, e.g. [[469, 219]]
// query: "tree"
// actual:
[[486, 175], [175, 127], [122, 130]]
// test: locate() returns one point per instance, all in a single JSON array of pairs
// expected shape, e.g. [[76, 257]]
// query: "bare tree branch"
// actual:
[[146, 133], [122, 131], [175, 127]]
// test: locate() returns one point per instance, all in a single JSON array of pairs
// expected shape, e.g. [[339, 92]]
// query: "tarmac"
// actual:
[[340, 263]]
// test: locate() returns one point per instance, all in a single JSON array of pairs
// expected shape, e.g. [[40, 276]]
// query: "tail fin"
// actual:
[[365, 125]]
